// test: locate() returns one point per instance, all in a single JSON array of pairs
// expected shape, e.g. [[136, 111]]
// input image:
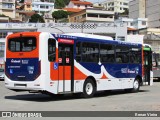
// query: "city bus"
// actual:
[[74, 63]]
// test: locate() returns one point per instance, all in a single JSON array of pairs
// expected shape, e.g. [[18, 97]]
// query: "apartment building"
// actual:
[[42, 6], [133, 25], [146, 9], [28, 6], [149, 9], [92, 15], [118, 6], [7, 7]]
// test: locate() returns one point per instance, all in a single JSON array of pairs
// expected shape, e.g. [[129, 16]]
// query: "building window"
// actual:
[[2, 46], [84, 16], [143, 22], [42, 6], [28, 6], [105, 16], [78, 5], [7, 5], [92, 15], [85, 6], [3, 35], [113, 4], [125, 4]]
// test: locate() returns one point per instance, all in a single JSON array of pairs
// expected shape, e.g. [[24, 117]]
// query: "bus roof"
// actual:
[[94, 38], [90, 36]]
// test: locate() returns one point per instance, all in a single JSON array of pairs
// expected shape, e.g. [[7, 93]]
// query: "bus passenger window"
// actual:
[[51, 50], [122, 54], [135, 55], [90, 52], [78, 51], [107, 53]]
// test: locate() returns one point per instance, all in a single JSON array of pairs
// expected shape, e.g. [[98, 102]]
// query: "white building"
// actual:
[[92, 15], [79, 4], [7, 7], [117, 6], [138, 23], [148, 9], [42, 6]]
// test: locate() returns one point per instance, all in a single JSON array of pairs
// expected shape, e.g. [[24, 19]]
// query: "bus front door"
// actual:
[[147, 66], [65, 71]]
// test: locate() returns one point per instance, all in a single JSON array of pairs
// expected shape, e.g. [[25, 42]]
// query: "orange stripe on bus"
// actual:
[[104, 76], [53, 72], [67, 72], [78, 74]]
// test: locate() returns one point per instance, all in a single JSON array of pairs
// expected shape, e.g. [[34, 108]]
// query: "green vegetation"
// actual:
[[59, 14], [59, 4], [36, 18], [126, 12], [2, 15]]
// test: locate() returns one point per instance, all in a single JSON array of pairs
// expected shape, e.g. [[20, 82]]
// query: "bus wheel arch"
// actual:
[[140, 79], [89, 87], [136, 85]]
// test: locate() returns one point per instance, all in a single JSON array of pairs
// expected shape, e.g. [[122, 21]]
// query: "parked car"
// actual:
[[1, 74]]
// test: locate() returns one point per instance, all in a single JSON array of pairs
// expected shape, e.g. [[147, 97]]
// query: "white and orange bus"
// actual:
[[73, 63]]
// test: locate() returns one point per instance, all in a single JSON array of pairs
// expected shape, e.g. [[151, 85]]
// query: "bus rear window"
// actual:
[[22, 44]]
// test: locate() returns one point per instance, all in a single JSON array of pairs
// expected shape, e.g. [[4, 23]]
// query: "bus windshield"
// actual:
[[22, 44]]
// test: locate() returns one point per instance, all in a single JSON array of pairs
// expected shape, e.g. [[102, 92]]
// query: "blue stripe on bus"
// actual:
[[22, 69]]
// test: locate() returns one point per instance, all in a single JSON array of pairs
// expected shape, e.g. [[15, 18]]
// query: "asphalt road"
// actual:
[[147, 99]]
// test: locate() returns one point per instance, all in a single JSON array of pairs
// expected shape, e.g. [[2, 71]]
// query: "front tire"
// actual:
[[89, 88]]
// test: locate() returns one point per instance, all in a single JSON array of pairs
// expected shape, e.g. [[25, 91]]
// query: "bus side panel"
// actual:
[[118, 76], [54, 71]]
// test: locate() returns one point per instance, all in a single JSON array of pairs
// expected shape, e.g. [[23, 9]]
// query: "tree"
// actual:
[[59, 14], [66, 2], [36, 18], [126, 12], [59, 4]]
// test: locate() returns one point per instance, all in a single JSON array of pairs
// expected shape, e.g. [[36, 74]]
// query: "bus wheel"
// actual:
[[89, 88], [136, 85]]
